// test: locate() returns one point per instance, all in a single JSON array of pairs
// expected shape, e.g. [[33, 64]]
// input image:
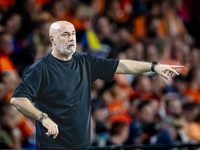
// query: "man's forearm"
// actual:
[[24, 106], [132, 67]]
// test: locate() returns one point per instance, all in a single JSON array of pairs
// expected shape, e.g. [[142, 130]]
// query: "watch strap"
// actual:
[[43, 116], [153, 65]]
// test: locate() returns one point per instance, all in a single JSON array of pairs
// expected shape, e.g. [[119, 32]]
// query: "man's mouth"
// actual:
[[71, 45]]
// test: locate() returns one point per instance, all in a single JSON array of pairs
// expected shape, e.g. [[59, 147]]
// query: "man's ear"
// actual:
[[52, 39]]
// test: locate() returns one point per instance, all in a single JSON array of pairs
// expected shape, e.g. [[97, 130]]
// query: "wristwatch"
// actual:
[[43, 116], [153, 65]]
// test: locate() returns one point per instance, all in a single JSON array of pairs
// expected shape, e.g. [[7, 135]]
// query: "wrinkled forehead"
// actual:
[[58, 28], [66, 28]]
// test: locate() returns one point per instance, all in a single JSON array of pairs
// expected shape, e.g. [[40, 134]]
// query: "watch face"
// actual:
[[45, 115]]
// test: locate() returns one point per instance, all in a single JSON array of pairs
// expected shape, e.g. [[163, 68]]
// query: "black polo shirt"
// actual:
[[62, 89]]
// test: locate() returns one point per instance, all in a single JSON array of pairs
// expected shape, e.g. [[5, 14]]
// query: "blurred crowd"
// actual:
[[133, 109]]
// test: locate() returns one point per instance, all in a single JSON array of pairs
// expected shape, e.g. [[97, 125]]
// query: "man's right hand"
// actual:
[[51, 127]]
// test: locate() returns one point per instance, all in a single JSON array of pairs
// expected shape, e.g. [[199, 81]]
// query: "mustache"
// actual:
[[70, 44]]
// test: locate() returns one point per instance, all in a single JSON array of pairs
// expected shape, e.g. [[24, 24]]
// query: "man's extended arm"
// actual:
[[23, 105], [133, 67]]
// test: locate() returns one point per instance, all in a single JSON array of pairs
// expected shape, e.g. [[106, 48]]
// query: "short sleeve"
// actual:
[[30, 85], [103, 68]]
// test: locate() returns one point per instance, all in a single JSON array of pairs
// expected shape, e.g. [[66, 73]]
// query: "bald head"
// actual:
[[58, 26], [62, 37]]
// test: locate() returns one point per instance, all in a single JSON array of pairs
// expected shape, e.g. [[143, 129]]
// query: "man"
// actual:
[[60, 85]]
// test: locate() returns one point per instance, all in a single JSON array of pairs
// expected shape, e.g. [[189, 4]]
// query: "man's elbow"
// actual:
[[120, 67], [14, 101]]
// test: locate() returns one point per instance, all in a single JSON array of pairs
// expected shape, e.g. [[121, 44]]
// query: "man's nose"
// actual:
[[71, 38]]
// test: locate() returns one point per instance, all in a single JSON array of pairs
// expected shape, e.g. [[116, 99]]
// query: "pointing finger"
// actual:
[[175, 66]]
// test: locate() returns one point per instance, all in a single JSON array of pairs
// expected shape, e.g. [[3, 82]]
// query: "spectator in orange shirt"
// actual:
[[194, 129], [173, 23], [193, 88], [10, 75], [191, 121], [6, 48]]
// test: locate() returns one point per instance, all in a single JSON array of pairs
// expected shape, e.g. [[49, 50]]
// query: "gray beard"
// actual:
[[66, 51]]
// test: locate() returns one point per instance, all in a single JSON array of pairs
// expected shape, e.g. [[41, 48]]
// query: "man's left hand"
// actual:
[[166, 71]]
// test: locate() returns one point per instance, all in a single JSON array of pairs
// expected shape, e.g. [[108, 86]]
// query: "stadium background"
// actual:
[[133, 109]]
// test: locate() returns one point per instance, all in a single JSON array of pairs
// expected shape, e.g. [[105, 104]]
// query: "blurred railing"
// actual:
[[144, 147]]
